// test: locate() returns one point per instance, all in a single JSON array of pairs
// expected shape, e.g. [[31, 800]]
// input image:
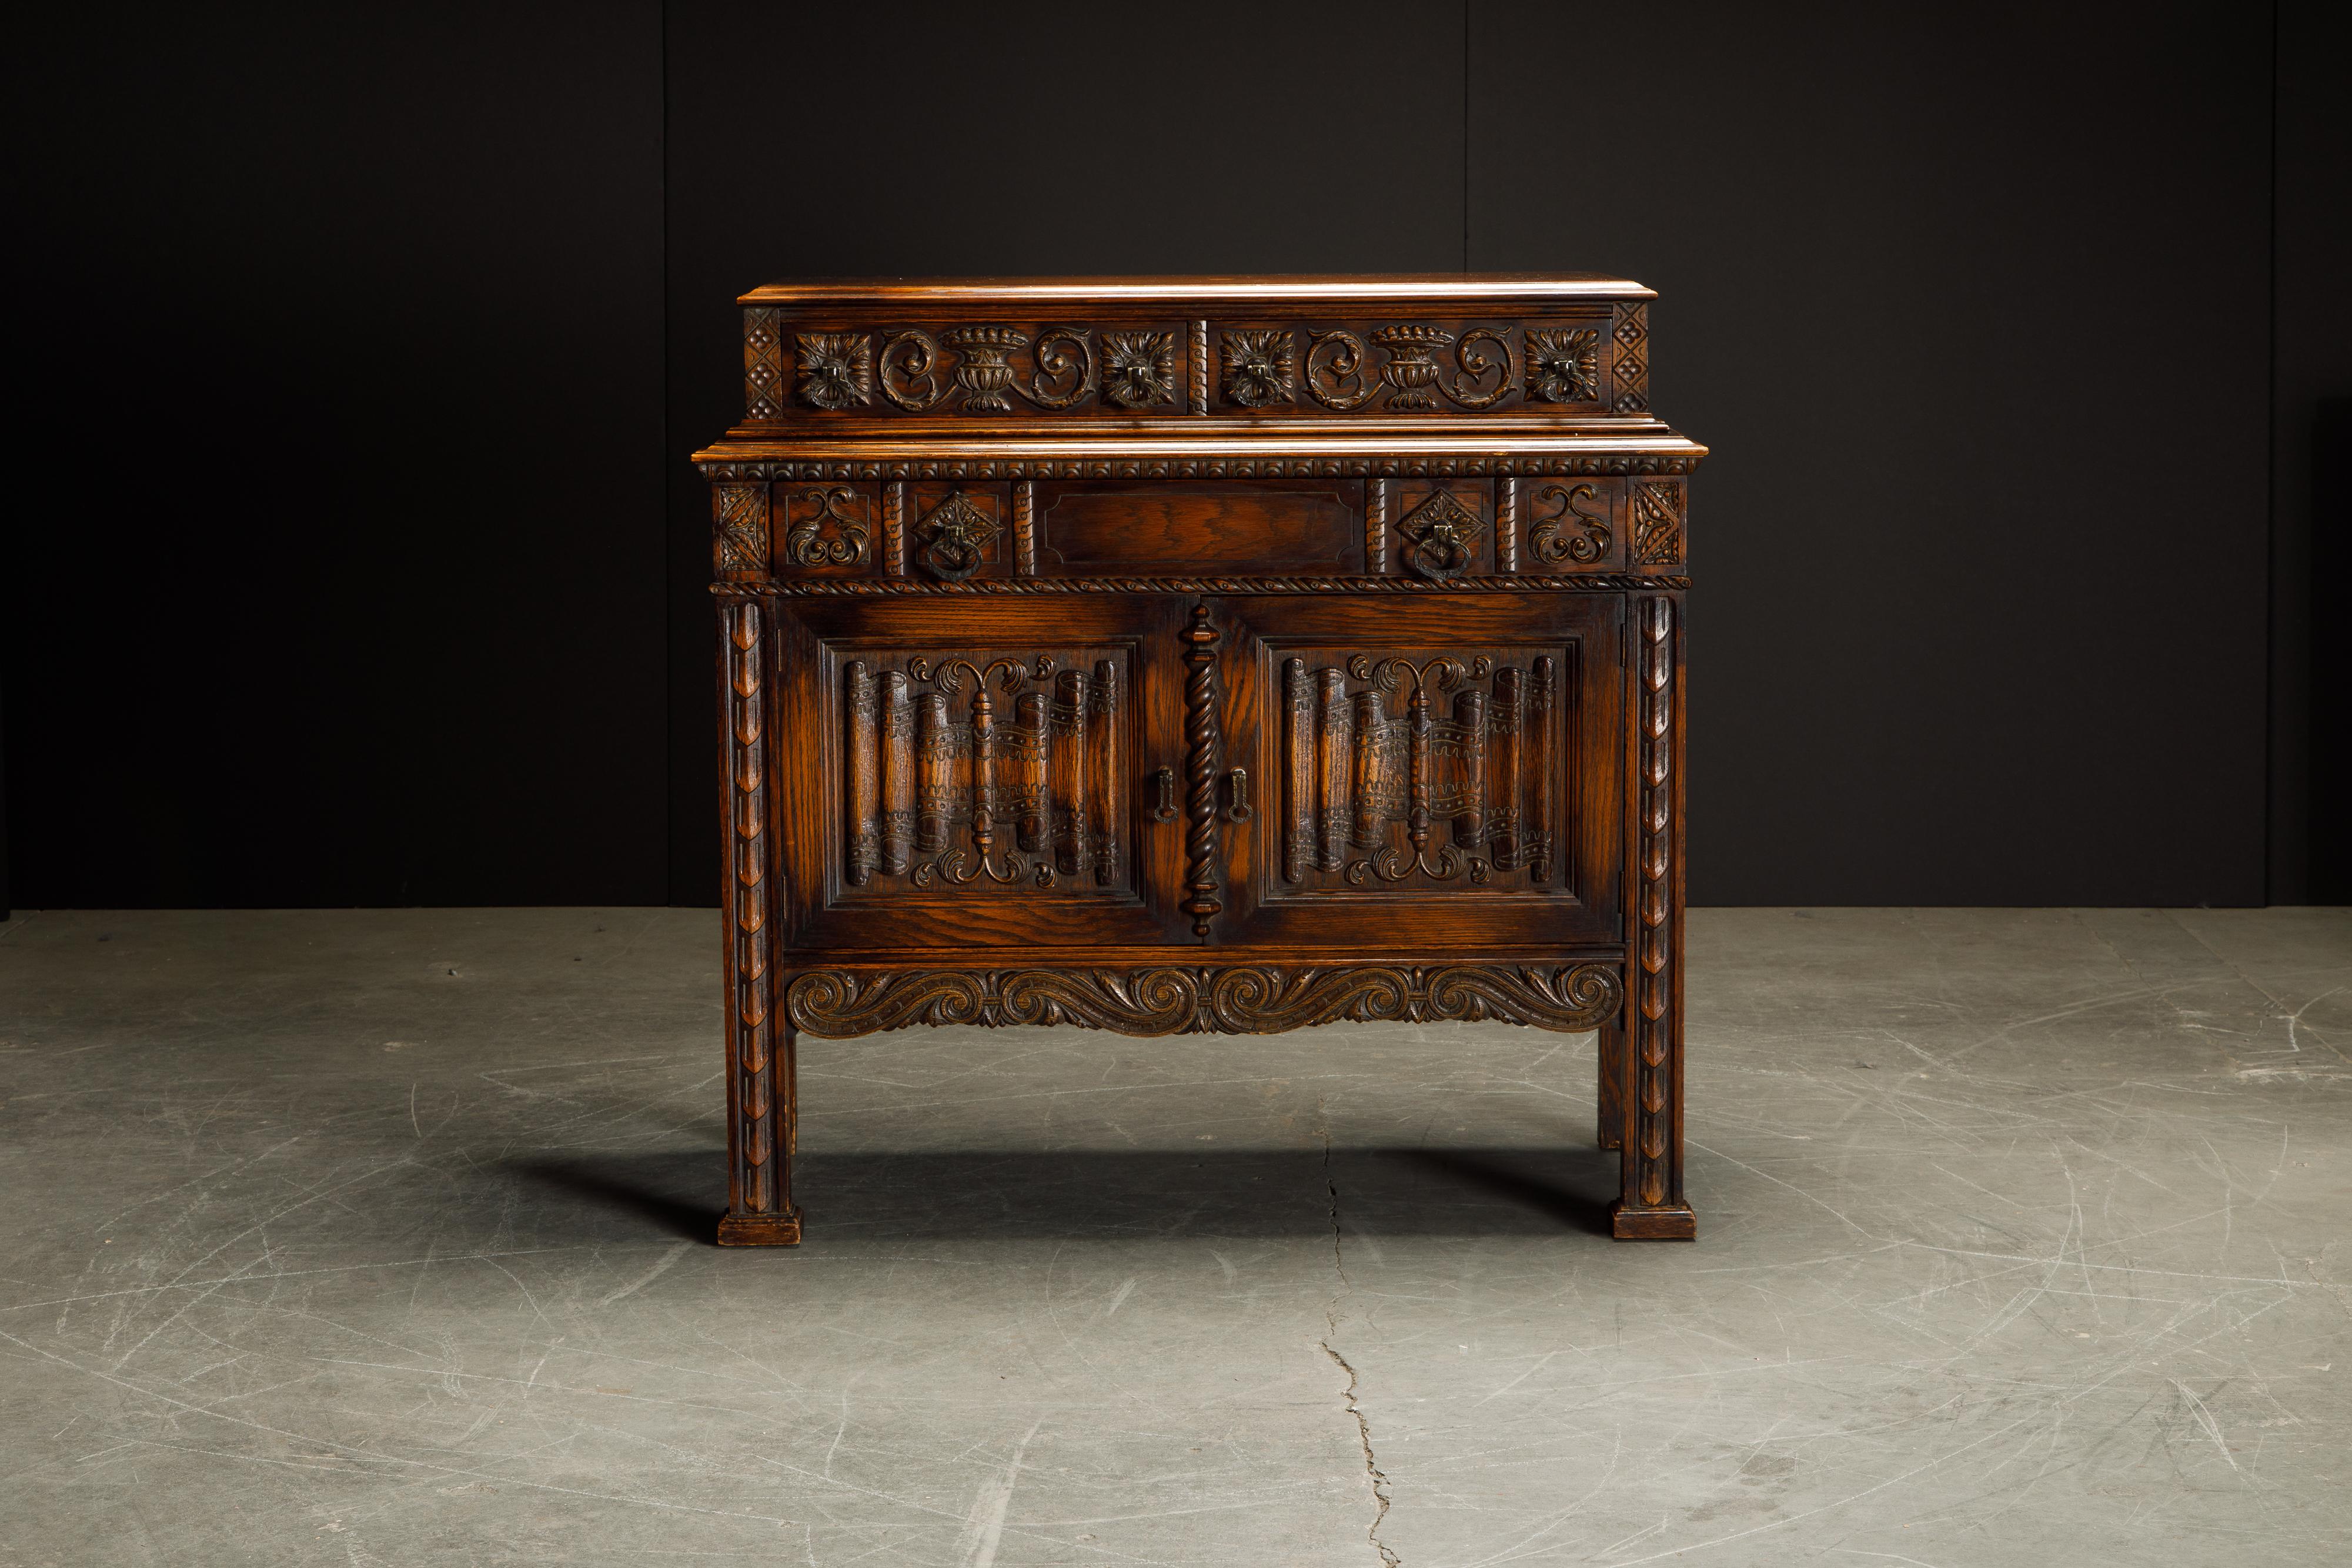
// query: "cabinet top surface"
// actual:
[[1269, 287]]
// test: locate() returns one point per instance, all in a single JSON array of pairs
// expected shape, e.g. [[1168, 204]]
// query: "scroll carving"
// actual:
[[1568, 532], [1471, 781], [971, 368], [1259, 999], [738, 530], [1479, 372], [826, 526], [996, 771], [1342, 367]]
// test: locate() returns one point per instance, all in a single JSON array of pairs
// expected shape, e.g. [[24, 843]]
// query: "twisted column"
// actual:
[[759, 1176], [1200, 772], [1650, 1203]]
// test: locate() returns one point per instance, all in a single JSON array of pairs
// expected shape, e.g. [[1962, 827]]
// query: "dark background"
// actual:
[[355, 559]]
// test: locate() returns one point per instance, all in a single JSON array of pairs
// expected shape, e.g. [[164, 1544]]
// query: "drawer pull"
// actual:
[[1166, 810], [1237, 783]]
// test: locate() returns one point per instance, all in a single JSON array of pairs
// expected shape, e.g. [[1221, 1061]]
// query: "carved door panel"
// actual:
[[962, 774], [1439, 772]]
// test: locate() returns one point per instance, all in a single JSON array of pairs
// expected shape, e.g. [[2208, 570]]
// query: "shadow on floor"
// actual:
[[1112, 1194]]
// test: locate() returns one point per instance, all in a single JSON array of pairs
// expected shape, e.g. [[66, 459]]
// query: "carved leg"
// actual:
[[760, 1089], [1650, 1203], [1612, 1076]]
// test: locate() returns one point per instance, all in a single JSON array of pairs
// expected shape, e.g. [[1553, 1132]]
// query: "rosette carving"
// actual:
[[1564, 367], [1139, 369], [1258, 366], [836, 369]]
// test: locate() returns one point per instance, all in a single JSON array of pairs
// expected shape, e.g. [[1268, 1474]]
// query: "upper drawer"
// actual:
[[1573, 346], [942, 531]]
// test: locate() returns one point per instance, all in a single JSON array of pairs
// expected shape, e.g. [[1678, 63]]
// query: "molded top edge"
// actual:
[[1247, 444], [1247, 288]]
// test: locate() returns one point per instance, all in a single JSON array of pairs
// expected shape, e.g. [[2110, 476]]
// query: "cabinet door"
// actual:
[[1447, 770], [961, 773]]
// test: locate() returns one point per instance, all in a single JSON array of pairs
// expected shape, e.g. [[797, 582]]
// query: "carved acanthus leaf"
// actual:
[[836, 369], [1254, 998]]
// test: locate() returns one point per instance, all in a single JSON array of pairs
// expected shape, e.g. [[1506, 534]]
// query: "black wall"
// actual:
[[362, 347]]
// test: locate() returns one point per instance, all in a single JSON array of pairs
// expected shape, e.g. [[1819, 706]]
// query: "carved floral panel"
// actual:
[[1406, 366], [1590, 361], [974, 367]]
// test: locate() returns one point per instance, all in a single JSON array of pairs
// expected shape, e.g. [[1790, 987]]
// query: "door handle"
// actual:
[[1166, 810], [1237, 787]]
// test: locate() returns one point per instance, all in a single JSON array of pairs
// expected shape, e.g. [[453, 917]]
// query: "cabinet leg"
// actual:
[[761, 1095], [760, 1211], [1650, 1203], [1610, 1119]]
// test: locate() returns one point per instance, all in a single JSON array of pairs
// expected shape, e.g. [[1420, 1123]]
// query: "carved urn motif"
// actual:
[[982, 370], [1411, 373]]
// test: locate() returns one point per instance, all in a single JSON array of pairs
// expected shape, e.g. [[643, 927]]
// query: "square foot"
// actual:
[[1652, 1224], [760, 1230]]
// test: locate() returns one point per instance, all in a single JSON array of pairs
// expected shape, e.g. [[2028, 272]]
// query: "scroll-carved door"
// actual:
[[1427, 773], [976, 774]]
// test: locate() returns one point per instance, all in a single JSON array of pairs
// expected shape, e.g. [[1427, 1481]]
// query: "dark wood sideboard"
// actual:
[[1211, 653]]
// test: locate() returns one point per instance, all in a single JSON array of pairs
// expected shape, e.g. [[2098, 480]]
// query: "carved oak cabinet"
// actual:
[[1215, 653]]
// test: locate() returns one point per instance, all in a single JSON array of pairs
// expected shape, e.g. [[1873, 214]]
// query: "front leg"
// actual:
[[759, 1078], [1610, 1119], [1650, 1203]]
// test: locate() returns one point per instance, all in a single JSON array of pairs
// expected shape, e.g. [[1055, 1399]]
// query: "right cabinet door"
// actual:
[[1446, 770]]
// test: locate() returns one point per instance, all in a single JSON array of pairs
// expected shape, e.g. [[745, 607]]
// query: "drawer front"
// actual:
[[1306, 526], [965, 774], [810, 364], [1429, 774], [946, 530]]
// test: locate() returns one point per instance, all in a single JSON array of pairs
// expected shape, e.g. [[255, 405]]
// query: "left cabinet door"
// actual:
[[957, 772]]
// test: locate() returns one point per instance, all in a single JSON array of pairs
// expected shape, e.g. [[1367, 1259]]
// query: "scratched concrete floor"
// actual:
[[379, 1238]]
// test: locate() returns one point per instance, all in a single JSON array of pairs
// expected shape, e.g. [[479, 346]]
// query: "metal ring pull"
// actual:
[[1166, 810], [1237, 782]]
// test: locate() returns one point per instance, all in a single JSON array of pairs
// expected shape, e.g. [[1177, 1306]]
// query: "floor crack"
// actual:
[[1372, 1471]]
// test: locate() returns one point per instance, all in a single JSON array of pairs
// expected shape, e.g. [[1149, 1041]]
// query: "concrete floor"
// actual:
[[382, 1239]]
